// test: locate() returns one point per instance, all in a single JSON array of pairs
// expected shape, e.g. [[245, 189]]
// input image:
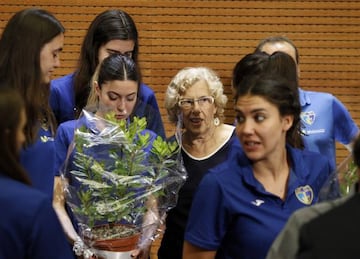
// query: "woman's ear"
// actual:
[[96, 88], [288, 121]]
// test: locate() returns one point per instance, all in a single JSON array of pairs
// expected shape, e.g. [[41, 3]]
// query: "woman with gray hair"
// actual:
[[195, 100]]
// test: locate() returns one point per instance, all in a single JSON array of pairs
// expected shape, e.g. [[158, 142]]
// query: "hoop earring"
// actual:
[[216, 121]]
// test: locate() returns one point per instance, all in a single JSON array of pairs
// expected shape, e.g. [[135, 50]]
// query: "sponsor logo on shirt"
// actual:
[[257, 202], [304, 194], [45, 139], [317, 131]]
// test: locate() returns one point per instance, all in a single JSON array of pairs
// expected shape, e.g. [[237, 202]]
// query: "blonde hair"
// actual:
[[186, 78], [93, 99]]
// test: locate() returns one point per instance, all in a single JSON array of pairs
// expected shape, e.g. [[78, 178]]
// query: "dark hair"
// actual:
[[20, 45], [276, 39], [11, 106], [283, 65], [257, 63], [115, 67], [278, 91], [108, 25], [356, 151], [250, 64]]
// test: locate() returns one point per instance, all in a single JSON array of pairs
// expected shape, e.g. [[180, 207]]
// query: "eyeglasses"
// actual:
[[187, 103]]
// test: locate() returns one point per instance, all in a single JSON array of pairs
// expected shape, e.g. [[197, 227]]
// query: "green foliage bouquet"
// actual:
[[121, 177], [341, 182], [347, 174]]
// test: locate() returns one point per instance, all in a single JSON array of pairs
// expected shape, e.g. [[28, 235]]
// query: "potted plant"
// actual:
[[124, 181], [341, 181], [347, 174]]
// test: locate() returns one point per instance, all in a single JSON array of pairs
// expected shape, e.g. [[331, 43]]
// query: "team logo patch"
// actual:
[[304, 194], [308, 117]]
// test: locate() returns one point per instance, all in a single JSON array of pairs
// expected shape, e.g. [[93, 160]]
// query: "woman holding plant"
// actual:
[[115, 92]]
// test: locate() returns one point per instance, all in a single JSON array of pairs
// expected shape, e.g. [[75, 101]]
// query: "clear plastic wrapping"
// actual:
[[120, 181], [341, 182]]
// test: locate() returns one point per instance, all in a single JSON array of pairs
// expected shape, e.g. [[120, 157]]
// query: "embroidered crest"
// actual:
[[304, 194], [308, 117]]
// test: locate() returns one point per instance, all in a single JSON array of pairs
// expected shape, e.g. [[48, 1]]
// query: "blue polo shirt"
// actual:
[[29, 227], [38, 160], [325, 120], [233, 213], [62, 102]]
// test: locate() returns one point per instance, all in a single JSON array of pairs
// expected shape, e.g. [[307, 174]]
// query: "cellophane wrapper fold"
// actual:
[[341, 182], [117, 173]]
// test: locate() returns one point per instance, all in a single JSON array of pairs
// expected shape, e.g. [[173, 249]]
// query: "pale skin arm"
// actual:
[[59, 207], [194, 252]]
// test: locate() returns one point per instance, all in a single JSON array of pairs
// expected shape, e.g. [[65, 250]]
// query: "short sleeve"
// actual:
[[345, 129], [62, 143]]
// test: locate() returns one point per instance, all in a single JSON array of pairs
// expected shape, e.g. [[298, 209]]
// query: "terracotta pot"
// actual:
[[123, 244], [118, 244]]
